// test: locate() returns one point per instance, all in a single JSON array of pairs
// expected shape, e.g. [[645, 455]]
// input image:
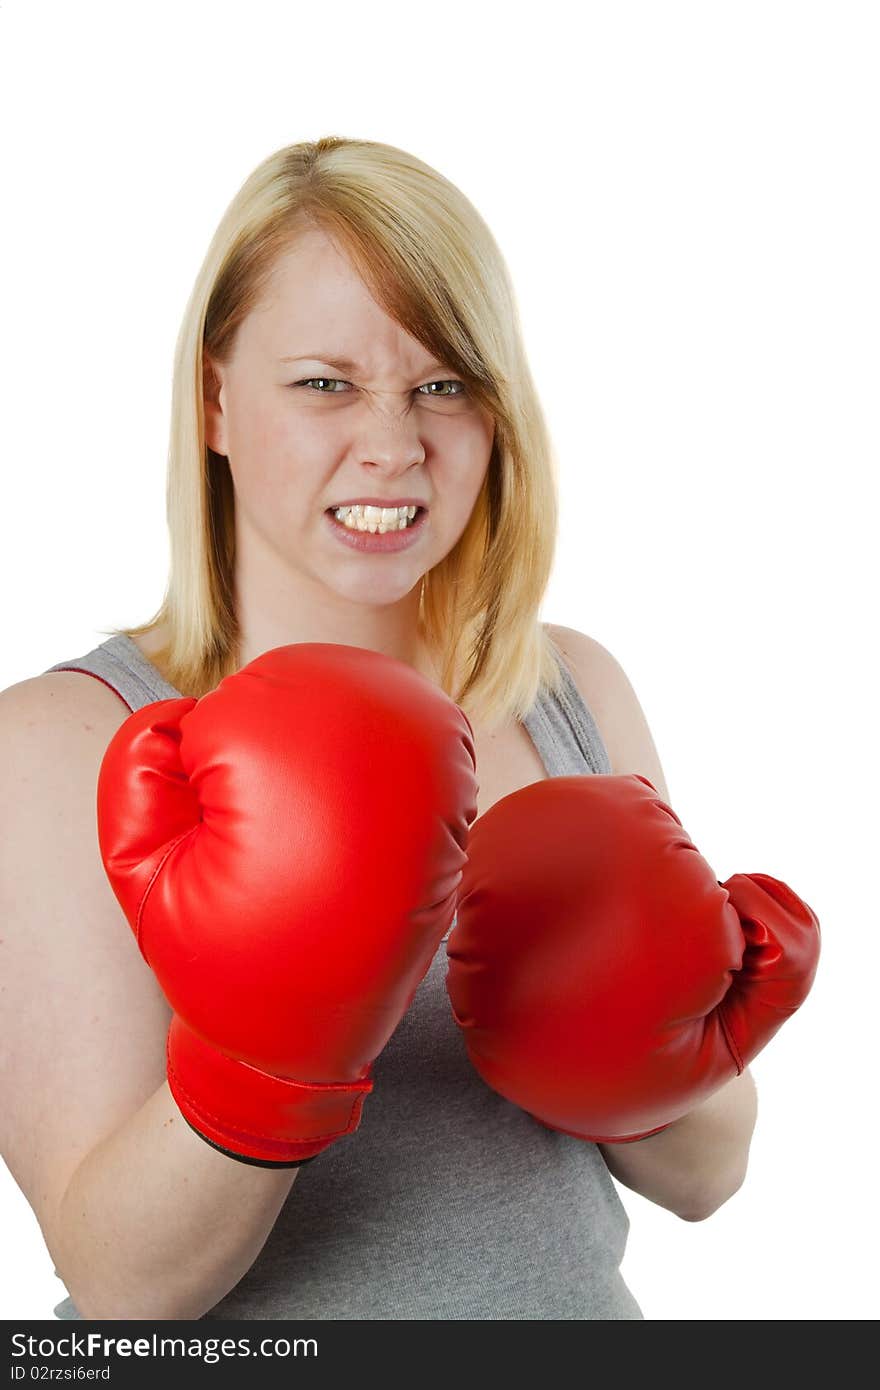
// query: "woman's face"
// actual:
[[392, 424]]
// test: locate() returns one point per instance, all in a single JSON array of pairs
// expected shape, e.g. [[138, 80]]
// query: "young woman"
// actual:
[[362, 515]]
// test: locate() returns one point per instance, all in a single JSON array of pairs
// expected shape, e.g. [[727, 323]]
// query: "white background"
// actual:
[[687, 197]]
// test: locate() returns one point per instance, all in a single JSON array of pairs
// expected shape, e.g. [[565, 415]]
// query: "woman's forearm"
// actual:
[[694, 1165], [157, 1224]]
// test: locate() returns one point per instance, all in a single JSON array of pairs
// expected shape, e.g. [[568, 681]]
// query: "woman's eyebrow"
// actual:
[[344, 364]]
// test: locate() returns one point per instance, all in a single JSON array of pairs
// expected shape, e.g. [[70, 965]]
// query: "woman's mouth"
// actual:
[[375, 528]]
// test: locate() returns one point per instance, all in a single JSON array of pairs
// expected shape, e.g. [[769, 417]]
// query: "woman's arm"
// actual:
[[156, 1224], [142, 1218], [697, 1163]]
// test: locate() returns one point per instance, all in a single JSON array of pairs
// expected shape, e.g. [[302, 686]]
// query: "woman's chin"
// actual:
[[372, 591]]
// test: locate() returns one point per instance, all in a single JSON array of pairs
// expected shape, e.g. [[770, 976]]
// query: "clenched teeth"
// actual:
[[362, 517]]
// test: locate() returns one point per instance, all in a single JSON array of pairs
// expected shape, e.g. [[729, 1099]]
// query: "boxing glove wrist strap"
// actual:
[[251, 1115], [607, 1138]]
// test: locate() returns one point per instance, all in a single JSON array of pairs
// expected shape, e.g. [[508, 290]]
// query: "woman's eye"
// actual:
[[462, 390], [309, 382], [312, 379]]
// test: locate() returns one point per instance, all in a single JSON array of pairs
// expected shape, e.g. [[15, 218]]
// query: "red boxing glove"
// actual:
[[287, 850], [604, 980]]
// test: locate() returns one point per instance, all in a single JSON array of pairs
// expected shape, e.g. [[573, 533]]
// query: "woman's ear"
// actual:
[[215, 431]]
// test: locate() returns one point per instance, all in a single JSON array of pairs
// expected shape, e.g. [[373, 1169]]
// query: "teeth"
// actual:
[[363, 517]]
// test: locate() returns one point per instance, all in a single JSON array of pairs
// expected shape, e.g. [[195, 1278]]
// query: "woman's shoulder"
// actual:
[[590, 665], [575, 645], [60, 699], [608, 692]]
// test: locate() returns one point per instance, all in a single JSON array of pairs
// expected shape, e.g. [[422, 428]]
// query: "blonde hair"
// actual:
[[430, 261]]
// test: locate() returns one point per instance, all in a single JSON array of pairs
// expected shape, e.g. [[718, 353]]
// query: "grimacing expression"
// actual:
[[328, 400]]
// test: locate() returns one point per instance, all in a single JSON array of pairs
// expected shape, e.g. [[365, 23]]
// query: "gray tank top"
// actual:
[[448, 1201]]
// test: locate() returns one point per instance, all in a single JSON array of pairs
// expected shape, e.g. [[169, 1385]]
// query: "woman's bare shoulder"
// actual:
[[613, 703], [576, 645], [60, 697]]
